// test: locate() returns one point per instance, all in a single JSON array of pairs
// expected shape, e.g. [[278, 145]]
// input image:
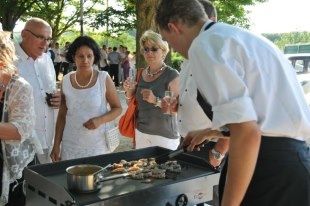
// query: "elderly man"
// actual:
[[254, 92], [37, 68]]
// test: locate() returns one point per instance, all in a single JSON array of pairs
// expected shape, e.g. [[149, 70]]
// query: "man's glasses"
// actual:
[[153, 49], [42, 38]]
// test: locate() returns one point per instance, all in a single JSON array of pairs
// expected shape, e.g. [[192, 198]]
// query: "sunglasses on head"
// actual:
[[153, 49]]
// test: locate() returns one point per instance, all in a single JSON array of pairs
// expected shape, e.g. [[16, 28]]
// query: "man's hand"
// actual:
[[195, 138]]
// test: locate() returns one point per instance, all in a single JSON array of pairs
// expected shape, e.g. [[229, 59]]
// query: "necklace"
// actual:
[[2, 86], [148, 71], [91, 77]]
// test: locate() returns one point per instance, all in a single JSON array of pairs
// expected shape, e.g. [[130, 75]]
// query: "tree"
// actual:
[[230, 11], [61, 14], [233, 11], [12, 10]]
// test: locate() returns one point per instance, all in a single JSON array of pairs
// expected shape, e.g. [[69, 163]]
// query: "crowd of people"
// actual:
[[234, 86], [116, 61]]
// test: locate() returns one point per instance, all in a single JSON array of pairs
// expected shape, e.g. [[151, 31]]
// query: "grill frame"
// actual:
[[45, 183]]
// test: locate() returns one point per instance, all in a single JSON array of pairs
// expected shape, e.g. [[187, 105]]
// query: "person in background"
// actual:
[[17, 119], [126, 65], [253, 91], [58, 60], [154, 128], [109, 49], [37, 68], [104, 66], [50, 52], [65, 64], [83, 115], [114, 58]]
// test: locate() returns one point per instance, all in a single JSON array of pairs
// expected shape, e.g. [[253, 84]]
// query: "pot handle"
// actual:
[[101, 178]]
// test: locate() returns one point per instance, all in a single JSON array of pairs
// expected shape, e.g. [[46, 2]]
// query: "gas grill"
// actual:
[[46, 185]]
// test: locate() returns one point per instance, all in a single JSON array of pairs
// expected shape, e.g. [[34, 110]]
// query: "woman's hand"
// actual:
[[129, 86], [148, 96], [56, 100], [55, 154], [171, 106], [92, 123]]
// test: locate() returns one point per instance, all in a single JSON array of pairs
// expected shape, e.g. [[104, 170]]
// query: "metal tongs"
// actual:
[[174, 153]]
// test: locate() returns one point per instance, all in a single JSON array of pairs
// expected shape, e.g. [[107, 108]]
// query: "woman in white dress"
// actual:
[[84, 114]]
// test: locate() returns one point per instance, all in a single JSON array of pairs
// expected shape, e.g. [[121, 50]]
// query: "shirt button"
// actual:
[[180, 120], [186, 90], [191, 75], [181, 105]]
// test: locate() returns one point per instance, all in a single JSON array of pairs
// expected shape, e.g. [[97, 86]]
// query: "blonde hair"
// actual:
[[153, 38], [7, 53]]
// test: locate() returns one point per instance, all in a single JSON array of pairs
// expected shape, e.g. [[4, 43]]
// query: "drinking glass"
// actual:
[[168, 98]]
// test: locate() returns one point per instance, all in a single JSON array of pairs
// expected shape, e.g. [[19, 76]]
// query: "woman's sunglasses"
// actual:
[[153, 49]]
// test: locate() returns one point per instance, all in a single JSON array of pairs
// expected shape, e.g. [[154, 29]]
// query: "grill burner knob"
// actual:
[[181, 200]]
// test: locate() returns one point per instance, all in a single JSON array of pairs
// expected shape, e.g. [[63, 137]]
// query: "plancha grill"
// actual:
[[46, 185]]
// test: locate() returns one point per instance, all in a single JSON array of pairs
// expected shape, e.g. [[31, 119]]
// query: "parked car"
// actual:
[[301, 63]]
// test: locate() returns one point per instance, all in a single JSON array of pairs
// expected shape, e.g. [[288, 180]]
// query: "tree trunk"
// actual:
[[145, 20]]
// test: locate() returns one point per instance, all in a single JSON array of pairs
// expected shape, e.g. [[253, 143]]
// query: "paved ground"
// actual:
[[125, 142]]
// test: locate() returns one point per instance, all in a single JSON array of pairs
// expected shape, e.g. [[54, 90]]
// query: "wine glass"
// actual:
[[168, 98], [50, 88]]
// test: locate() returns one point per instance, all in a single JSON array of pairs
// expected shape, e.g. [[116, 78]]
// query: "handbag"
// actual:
[[127, 123], [112, 138]]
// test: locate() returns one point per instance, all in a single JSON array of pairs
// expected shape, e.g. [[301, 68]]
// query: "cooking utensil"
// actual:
[[174, 153], [86, 178]]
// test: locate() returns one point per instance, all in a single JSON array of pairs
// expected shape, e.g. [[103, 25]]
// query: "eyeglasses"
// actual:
[[40, 37], [153, 49]]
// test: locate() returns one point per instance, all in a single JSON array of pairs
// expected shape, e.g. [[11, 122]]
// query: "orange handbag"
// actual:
[[127, 123]]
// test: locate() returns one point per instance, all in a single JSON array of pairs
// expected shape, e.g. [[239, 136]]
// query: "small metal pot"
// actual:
[[88, 178], [83, 178]]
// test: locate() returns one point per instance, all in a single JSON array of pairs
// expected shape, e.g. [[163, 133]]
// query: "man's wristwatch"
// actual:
[[217, 155]]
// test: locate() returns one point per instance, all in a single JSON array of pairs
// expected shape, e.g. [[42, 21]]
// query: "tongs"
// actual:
[[174, 153]]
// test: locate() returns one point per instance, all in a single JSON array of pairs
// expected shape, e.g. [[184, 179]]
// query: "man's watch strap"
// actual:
[[158, 102], [217, 155]]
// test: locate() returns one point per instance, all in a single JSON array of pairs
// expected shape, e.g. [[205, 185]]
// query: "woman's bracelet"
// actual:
[[128, 98]]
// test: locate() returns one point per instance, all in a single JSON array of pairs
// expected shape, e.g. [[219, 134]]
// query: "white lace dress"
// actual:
[[18, 110], [84, 104]]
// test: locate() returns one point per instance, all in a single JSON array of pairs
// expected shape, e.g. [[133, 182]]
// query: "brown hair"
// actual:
[[188, 12]]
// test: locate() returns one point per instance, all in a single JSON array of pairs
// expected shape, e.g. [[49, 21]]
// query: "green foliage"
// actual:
[[62, 15], [123, 39], [288, 38], [176, 60], [116, 20], [12, 10], [233, 11]]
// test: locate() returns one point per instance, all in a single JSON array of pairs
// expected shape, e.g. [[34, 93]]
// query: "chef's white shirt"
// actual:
[[41, 76], [190, 114], [245, 77]]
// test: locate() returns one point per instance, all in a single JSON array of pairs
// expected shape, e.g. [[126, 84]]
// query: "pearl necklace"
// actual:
[[148, 71], [91, 77]]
